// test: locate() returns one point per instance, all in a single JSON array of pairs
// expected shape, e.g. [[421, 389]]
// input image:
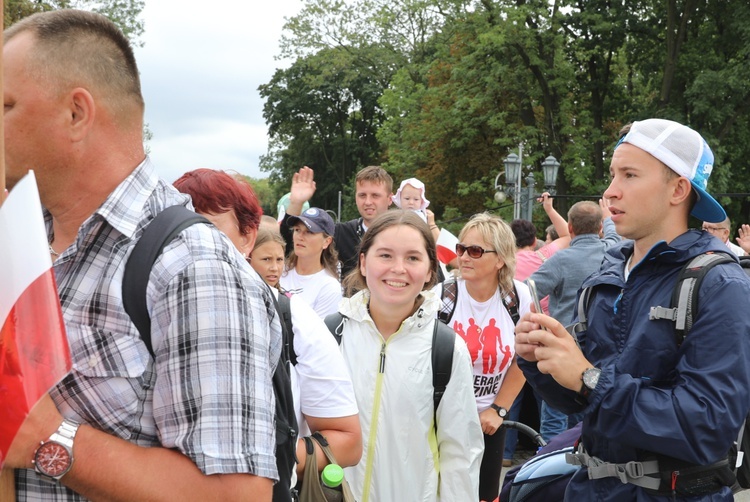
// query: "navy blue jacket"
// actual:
[[687, 402]]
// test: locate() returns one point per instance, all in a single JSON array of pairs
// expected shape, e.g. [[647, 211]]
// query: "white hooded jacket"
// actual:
[[403, 459]]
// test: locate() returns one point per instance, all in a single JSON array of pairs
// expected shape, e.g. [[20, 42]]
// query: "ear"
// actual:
[[500, 264], [390, 200], [82, 108], [427, 280], [248, 242], [362, 265], [327, 242], [681, 191]]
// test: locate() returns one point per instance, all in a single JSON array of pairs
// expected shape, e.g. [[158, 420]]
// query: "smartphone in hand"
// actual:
[[535, 297]]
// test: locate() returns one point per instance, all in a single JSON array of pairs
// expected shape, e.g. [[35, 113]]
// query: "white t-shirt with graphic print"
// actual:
[[488, 331]]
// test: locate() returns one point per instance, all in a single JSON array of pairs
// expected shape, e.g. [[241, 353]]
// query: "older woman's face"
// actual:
[[227, 222], [483, 268]]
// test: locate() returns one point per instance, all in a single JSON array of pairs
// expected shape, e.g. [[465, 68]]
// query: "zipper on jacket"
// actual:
[[617, 300], [374, 426]]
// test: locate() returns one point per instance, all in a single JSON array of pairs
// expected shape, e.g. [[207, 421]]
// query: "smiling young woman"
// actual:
[[387, 342]]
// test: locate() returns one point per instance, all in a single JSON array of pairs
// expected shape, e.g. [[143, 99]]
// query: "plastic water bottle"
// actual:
[[331, 479]]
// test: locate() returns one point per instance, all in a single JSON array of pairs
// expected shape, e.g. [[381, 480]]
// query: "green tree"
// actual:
[[463, 83], [322, 112], [266, 196]]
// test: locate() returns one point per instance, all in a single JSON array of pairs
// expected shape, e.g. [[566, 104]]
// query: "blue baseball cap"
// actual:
[[316, 220]]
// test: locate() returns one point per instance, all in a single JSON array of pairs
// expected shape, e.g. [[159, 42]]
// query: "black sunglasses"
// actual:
[[474, 251]]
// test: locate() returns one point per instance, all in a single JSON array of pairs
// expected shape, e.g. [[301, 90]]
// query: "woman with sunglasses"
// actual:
[[487, 260]]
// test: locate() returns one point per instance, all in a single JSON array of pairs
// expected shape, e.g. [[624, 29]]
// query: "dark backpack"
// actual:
[[443, 340], [449, 295], [684, 305], [160, 232]]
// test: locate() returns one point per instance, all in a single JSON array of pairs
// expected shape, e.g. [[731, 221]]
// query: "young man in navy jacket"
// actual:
[[644, 395]]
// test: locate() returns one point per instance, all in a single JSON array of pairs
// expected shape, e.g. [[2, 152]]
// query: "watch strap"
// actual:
[[66, 433], [501, 412]]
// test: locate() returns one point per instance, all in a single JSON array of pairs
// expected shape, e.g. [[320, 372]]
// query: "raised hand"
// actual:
[[743, 238], [303, 188]]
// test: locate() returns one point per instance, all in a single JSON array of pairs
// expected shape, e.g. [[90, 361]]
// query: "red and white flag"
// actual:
[[34, 352], [446, 246]]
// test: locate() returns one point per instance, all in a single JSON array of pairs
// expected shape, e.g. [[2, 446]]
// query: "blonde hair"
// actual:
[[266, 235], [499, 236]]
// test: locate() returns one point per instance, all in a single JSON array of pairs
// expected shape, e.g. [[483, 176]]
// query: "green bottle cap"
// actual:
[[332, 475]]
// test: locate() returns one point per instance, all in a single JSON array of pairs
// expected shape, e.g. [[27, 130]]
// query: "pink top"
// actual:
[[527, 262]]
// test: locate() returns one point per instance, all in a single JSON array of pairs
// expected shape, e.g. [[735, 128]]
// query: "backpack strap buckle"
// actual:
[[662, 313]]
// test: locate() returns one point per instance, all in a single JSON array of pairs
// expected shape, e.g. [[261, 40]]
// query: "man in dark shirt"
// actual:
[[374, 188]]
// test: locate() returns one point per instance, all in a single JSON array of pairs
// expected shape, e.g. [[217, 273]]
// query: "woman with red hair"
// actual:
[[228, 203], [322, 389]]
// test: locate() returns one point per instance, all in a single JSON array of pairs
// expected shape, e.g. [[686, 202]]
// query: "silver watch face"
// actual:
[[591, 377], [502, 412]]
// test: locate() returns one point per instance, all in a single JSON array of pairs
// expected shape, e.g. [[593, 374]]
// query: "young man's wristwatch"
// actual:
[[501, 412], [54, 457], [589, 379]]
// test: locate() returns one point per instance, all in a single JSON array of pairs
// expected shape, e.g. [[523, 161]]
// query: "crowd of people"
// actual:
[[196, 420]]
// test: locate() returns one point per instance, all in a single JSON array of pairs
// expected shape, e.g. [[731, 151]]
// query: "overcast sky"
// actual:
[[201, 65]]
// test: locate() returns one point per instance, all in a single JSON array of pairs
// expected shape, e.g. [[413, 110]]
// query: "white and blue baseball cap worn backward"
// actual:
[[685, 152]]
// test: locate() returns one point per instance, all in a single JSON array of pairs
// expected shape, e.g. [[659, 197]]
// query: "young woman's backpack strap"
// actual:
[[443, 340]]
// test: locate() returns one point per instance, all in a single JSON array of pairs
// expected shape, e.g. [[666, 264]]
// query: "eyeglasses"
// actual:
[[707, 228], [474, 251]]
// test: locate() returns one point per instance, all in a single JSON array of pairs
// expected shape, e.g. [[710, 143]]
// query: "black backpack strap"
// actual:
[[335, 324], [511, 305], [284, 310], [159, 232], [449, 296], [443, 341]]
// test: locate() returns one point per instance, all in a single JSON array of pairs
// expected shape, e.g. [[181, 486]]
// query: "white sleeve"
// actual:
[[325, 388], [328, 298], [459, 434]]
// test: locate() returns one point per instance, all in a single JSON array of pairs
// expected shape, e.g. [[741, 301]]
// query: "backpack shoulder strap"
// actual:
[[511, 305], [159, 232], [335, 324], [284, 309], [449, 296], [582, 307], [685, 294], [443, 340]]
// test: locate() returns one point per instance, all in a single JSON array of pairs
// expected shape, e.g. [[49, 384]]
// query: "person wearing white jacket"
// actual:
[[387, 342]]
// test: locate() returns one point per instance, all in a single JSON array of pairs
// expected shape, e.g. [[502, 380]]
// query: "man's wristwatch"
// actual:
[[590, 378], [501, 412], [54, 457]]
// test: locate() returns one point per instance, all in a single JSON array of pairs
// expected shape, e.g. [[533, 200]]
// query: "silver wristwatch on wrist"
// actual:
[[54, 457]]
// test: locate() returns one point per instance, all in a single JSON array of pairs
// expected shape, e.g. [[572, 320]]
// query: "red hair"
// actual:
[[217, 192]]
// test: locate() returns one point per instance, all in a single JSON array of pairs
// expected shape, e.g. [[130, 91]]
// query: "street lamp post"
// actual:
[[524, 197]]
